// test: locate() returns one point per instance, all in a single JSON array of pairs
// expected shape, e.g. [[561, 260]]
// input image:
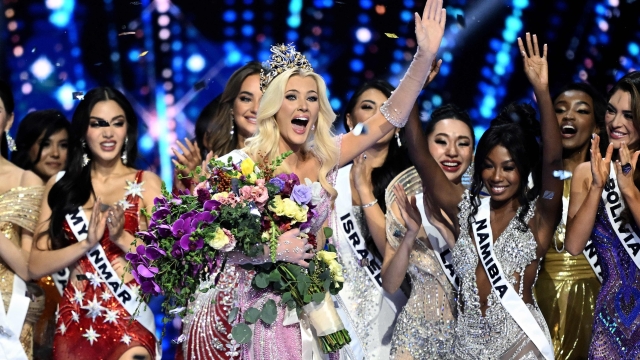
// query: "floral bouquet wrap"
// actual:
[[238, 207]]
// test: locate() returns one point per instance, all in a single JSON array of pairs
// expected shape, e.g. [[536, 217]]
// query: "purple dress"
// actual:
[[276, 341], [616, 325]]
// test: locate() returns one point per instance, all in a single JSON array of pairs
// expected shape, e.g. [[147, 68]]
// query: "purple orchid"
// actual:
[[160, 214], [154, 253], [164, 230], [147, 272], [191, 245], [177, 251]]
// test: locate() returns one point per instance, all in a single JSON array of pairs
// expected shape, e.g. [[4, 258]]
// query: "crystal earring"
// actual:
[[398, 140], [233, 126], [124, 151], [85, 157], [11, 144], [313, 127]]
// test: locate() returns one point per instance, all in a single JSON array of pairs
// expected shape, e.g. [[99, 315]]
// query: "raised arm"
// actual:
[[626, 184], [394, 112], [549, 204]]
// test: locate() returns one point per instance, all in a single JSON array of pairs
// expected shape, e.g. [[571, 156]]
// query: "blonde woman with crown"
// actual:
[[295, 115]]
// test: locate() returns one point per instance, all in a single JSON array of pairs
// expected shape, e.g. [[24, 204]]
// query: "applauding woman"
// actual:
[[604, 211], [501, 237]]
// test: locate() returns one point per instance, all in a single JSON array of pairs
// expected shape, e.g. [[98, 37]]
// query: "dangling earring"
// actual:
[[11, 144], [398, 140], [313, 127], [233, 126], [124, 151], [85, 157]]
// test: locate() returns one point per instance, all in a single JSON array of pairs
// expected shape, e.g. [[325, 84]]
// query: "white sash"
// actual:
[[61, 277], [439, 245], [347, 227], [11, 322], [128, 298], [509, 298], [614, 204]]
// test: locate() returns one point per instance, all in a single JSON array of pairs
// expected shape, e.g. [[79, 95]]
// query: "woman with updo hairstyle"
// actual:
[[567, 285], [425, 325], [88, 224], [603, 217], [500, 237]]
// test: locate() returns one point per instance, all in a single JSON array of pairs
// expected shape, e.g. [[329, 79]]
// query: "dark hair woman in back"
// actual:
[[21, 193], [567, 285], [88, 223], [604, 213]]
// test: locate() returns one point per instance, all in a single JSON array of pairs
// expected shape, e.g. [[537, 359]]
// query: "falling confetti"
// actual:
[[391, 35], [461, 20], [548, 195], [78, 95], [562, 174], [127, 33], [143, 53], [33, 50], [359, 129], [199, 85]]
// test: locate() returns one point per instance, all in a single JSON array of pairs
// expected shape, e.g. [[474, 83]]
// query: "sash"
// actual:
[[439, 245], [348, 229], [61, 277], [614, 205], [509, 298], [127, 297], [11, 322]]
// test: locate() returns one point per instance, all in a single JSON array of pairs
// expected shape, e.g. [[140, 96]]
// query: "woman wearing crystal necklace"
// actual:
[[497, 314], [295, 115], [603, 214], [88, 223]]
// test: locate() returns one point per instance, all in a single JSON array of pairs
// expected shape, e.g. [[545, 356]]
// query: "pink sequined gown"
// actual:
[[275, 341]]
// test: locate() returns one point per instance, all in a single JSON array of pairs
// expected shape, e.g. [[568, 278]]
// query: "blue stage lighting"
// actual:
[[335, 103], [398, 55], [247, 30], [195, 63], [395, 68], [633, 49], [520, 4], [177, 63], [363, 35], [233, 57], [293, 21], [292, 35], [358, 49], [176, 45], [229, 16], [247, 15], [502, 58], [295, 6], [447, 57], [60, 18], [229, 31], [363, 18], [436, 100], [366, 4], [134, 54], [406, 15], [146, 143], [356, 65], [445, 69]]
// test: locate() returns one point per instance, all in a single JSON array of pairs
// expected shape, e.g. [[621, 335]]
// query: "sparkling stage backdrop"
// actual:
[[172, 58]]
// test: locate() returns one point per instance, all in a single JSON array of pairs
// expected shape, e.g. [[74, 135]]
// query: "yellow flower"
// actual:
[[219, 240], [247, 166], [220, 195], [251, 178], [327, 256], [336, 271], [277, 205]]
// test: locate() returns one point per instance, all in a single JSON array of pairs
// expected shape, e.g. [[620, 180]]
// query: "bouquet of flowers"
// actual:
[[238, 207]]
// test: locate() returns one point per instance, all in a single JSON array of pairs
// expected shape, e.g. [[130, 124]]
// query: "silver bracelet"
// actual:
[[370, 204], [394, 118]]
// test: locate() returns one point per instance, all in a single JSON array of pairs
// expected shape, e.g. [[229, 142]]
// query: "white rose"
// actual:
[[316, 190]]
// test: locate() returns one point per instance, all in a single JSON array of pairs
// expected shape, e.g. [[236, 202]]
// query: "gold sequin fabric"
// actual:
[[20, 208], [566, 291], [425, 327], [495, 335]]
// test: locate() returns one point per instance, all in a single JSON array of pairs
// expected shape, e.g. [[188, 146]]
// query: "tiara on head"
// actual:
[[283, 57]]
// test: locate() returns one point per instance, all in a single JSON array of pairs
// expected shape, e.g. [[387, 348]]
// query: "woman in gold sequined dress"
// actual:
[[20, 197], [567, 285], [425, 325]]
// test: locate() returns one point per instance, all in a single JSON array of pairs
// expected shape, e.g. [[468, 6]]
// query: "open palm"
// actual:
[[535, 66], [430, 28]]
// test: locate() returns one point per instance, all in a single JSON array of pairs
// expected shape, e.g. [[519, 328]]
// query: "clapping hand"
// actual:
[[408, 210], [600, 167], [430, 28], [535, 66], [625, 167]]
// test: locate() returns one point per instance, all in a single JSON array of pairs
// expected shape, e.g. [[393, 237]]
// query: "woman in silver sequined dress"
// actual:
[[521, 223], [425, 326]]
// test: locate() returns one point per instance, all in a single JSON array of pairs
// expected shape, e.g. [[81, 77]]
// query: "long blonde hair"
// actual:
[[265, 143]]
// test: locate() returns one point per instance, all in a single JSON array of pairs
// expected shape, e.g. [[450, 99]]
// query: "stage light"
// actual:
[[335, 103], [633, 49], [232, 58], [164, 20], [54, 4], [247, 15], [162, 6], [64, 96], [229, 16], [146, 143], [164, 34], [363, 18], [176, 45], [41, 68], [9, 13], [292, 35], [26, 88], [247, 30], [395, 68], [61, 15], [356, 65], [295, 6], [406, 15], [520, 4], [134, 54], [18, 51], [436, 100], [195, 63], [363, 35], [366, 4]]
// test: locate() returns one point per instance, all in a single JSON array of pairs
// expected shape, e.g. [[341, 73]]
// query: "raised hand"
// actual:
[[96, 225], [625, 181], [435, 69], [362, 174], [600, 167], [535, 66], [408, 210], [190, 156], [430, 28], [294, 248], [115, 222]]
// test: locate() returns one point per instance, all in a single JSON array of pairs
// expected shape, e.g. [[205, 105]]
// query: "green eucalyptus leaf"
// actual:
[[318, 297], [325, 275], [269, 312], [241, 333], [286, 297], [312, 267], [251, 315], [261, 280], [327, 285], [274, 276], [291, 304], [233, 314], [327, 232], [307, 298]]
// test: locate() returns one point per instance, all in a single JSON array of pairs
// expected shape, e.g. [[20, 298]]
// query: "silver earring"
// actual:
[[85, 157], [313, 127], [124, 151], [233, 126], [11, 144], [398, 140]]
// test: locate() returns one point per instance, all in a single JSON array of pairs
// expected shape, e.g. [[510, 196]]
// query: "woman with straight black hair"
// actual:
[[42, 143], [88, 223], [501, 237]]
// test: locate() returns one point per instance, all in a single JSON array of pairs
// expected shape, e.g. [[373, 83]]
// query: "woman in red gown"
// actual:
[[88, 224]]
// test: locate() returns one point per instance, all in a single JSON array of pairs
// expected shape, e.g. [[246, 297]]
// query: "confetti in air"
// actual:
[[143, 53], [359, 129], [548, 195], [461, 20], [391, 35], [562, 174], [127, 33], [199, 85], [78, 95]]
